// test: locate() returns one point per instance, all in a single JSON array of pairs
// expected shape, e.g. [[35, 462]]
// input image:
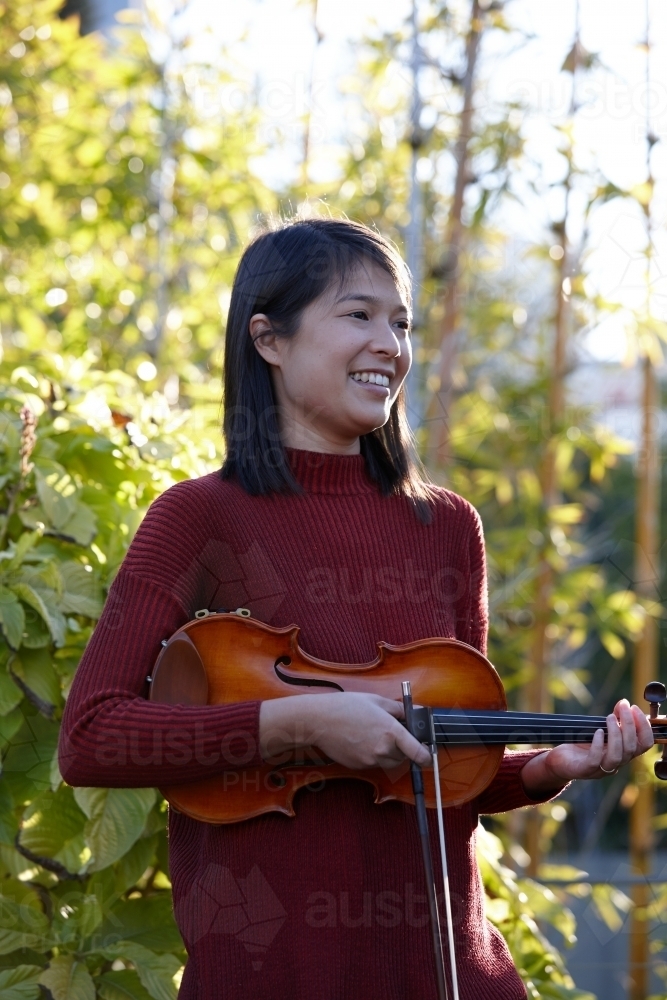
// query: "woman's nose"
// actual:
[[386, 342]]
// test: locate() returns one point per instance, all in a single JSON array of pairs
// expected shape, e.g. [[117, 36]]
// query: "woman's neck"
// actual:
[[303, 437]]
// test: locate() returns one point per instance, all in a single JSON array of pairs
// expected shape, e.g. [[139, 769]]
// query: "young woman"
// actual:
[[319, 518]]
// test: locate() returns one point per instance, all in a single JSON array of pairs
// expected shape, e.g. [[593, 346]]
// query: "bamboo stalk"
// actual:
[[647, 583], [438, 442], [645, 669], [537, 694], [414, 235], [307, 129]]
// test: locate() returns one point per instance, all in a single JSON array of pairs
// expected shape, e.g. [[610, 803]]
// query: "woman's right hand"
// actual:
[[356, 730]]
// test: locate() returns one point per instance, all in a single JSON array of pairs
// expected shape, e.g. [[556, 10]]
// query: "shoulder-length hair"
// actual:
[[281, 272]]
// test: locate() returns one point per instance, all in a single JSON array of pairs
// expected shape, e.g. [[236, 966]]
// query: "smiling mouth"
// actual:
[[372, 378]]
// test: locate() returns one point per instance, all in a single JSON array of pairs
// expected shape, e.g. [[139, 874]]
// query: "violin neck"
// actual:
[[466, 726]]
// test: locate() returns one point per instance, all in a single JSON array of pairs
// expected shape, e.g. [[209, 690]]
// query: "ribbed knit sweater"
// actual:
[[329, 905]]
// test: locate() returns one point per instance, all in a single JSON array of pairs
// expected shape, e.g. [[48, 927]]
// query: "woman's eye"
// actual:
[[360, 313]]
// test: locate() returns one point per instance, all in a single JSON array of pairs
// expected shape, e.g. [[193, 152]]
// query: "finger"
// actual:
[[645, 738], [626, 721], [619, 706], [614, 753], [394, 708], [412, 748], [596, 751]]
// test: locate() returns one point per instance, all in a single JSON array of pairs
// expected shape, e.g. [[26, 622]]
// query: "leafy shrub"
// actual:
[[85, 908]]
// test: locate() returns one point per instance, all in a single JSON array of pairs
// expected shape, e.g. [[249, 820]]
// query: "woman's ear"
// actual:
[[263, 337]]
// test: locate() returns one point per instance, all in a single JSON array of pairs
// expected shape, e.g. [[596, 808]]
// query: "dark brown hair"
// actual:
[[280, 273]]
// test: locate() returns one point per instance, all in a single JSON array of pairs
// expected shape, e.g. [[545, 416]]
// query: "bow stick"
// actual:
[[419, 723]]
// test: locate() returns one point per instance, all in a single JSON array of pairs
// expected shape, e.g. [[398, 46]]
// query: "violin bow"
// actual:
[[419, 723]]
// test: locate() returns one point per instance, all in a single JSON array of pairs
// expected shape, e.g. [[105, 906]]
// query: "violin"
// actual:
[[228, 657]]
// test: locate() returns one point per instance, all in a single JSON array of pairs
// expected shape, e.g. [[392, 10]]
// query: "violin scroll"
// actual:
[[654, 694]]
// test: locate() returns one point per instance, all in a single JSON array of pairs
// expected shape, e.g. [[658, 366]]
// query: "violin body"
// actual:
[[226, 658]]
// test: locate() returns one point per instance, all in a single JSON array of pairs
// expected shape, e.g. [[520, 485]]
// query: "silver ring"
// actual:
[[605, 771]]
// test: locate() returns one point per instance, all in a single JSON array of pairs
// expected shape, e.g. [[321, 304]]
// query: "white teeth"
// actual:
[[373, 377]]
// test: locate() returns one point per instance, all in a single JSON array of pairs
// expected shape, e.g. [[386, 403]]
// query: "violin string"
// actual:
[[512, 735], [454, 713], [564, 733], [445, 872], [472, 724], [499, 730]]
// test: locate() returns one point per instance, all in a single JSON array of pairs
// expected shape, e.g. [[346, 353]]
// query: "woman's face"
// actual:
[[339, 375]]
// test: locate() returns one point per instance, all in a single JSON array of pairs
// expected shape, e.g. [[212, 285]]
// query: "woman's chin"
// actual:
[[372, 422]]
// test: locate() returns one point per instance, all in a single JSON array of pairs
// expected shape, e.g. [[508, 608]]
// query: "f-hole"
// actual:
[[285, 661]]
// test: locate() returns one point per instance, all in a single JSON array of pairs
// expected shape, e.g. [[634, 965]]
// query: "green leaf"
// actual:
[[27, 759], [45, 576], [122, 985], [613, 644], [18, 551], [21, 908], [44, 603], [146, 920], [134, 863], [116, 818], [52, 826], [82, 525], [82, 593], [68, 979], [36, 633], [34, 667], [567, 513], [12, 617], [10, 695], [8, 821], [57, 493], [10, 435], [20, 983], [87, 914], [11, 940], [156, 972], [10, 723]]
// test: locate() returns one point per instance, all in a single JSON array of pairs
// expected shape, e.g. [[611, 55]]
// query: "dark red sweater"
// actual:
[[330, 905]]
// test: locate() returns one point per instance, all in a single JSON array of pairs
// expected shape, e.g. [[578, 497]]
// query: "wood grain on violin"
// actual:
[[225, 658]]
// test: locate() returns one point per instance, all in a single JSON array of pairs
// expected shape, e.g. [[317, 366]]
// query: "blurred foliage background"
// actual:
[[124, 205]]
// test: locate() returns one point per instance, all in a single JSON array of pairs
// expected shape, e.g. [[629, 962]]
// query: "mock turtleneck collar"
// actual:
[[341, 475]]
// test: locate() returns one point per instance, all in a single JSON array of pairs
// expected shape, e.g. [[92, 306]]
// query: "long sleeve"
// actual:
[[506, 791], [472, 608], [111, 735]]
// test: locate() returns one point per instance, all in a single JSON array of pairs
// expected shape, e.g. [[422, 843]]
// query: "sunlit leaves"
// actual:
[[51, 827], [116, 817], [68, 979], [517, 906], [156, 972]]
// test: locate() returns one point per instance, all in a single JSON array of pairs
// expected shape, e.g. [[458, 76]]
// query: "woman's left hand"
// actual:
[[629, 735]]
